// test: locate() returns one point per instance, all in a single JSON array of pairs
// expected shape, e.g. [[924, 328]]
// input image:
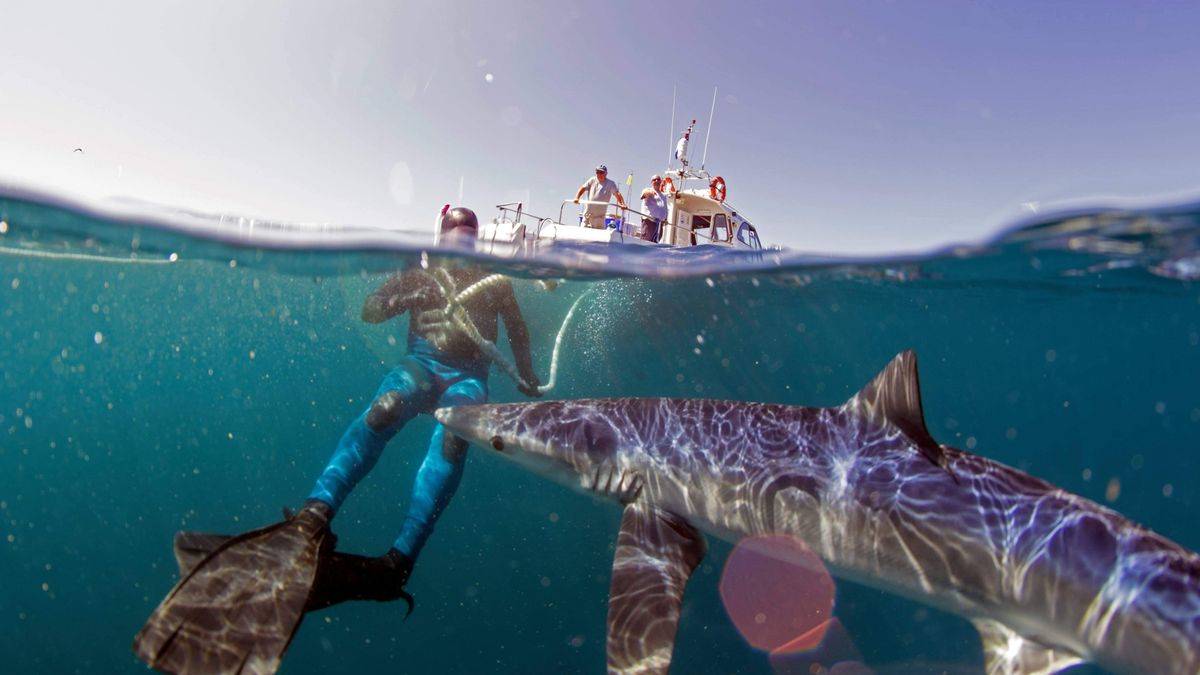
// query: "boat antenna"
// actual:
[[711, 112], [671, 129]]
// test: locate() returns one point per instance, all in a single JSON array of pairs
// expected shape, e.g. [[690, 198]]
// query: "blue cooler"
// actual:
[[613, 222]]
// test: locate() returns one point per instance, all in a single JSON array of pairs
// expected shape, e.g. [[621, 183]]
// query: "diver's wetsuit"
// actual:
[[444, 367]]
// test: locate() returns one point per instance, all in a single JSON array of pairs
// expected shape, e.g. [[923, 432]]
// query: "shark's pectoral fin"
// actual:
[[895, 395], [656, 553], [1005, 652]]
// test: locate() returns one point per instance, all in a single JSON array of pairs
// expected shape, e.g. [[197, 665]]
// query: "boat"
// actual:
[[699, 213]]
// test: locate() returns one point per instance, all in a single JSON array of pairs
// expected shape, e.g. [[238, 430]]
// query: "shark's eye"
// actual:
[[497, 442]]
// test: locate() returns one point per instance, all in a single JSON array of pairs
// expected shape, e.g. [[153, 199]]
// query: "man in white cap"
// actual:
[[599, 189], [654, 205]]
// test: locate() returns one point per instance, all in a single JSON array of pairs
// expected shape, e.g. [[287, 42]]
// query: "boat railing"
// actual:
[[621, 212], [624, 212], [515, 211]]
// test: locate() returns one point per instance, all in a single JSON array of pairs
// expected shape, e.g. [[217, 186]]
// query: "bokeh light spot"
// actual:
[[400, 183]]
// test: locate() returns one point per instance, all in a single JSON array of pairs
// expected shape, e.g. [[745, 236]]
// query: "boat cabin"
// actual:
[[695, 216]]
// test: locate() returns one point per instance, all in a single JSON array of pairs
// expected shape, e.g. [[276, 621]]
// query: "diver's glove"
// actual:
[[530, 386]]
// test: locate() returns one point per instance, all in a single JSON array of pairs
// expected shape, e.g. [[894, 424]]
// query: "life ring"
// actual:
[[668, 185], [717, 189]]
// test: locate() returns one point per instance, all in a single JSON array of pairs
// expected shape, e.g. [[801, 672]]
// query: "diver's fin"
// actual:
[[656, 553], [895, 395], [238, 608], [340, 577], [346, 576], [1005, 652], [193, 547]]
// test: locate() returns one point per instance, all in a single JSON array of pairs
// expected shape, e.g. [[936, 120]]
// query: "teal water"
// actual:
[[141, 396]]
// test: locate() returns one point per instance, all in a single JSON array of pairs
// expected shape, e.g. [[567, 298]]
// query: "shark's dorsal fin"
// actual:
[[1005, 652], [656, 554], [895, 395]]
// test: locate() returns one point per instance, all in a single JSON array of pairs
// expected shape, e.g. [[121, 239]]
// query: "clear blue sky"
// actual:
[[841, 126]]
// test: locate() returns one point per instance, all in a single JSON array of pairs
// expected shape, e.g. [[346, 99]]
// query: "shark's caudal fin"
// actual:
[[895, 395], [656, 554], [1007, 653]]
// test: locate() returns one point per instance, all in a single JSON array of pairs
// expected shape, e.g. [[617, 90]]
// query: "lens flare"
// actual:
[[778, 593], [836, 654]]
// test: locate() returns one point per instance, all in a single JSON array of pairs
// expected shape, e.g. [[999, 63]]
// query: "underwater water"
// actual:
[[162, 373]]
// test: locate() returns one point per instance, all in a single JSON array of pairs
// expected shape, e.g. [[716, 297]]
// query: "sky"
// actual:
[[845, 127]]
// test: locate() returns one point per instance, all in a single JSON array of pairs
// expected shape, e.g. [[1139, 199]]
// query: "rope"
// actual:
[[56, 255], [462, 320]]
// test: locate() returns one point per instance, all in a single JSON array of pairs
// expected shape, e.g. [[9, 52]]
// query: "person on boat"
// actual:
[[654, 205], [599, 190], [266, 580]]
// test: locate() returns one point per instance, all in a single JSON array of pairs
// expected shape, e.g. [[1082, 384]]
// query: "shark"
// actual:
[[1049, 578]]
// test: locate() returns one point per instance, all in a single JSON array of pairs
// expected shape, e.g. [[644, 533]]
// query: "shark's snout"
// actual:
[[550, 437], [443, 415], [468, 422], [486, 426]]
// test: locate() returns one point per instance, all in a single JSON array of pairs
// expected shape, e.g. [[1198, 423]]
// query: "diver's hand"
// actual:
[[530, 390]]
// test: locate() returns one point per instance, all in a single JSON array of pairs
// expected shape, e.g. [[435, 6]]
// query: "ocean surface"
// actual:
[[167, 370]]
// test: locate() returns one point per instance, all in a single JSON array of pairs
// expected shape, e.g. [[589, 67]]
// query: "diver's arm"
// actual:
[[388, 300], [518, 334]]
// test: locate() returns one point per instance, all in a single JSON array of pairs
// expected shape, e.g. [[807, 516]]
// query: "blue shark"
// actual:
[[1049, 578]]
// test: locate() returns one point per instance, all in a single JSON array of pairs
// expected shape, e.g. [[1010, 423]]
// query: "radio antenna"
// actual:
[[671, 130], [711, 112]]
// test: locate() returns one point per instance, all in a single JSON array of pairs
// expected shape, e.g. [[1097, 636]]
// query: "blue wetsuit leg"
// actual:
[[439, 475], [411, 390]]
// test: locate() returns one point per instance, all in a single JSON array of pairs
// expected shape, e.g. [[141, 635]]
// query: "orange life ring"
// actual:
[[717, 189], [668, 185]]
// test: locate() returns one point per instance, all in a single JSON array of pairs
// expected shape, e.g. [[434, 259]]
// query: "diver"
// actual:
[[444, 367], [293, 563]]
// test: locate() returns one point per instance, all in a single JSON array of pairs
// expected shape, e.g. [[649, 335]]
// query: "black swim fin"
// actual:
[[345, 576], [237, 608], [340, 576]]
